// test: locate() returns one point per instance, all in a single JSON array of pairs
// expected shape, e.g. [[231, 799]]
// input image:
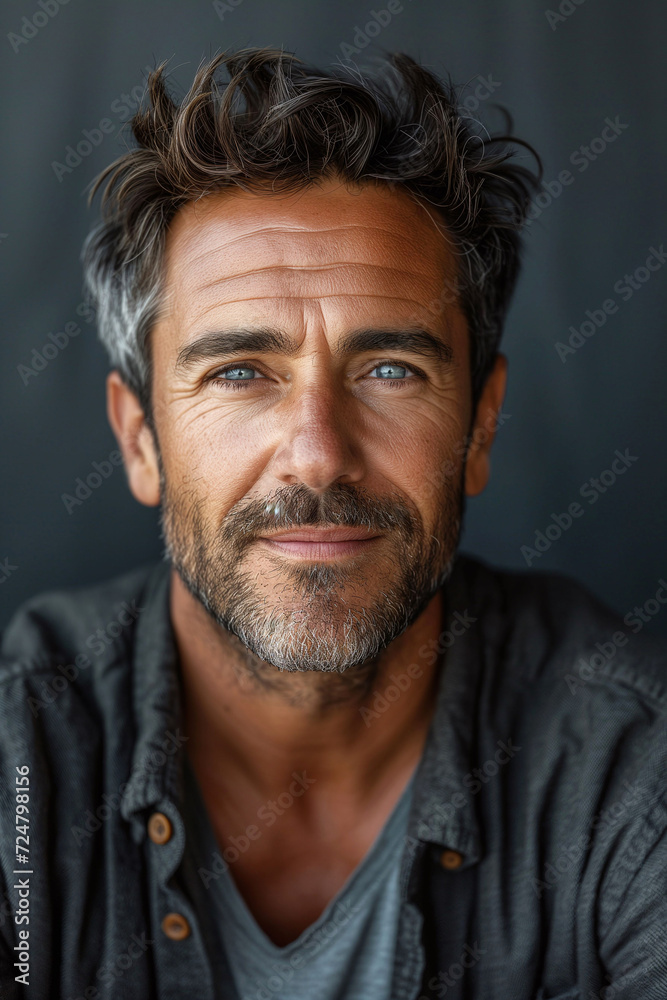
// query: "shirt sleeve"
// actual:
[[633, 947]]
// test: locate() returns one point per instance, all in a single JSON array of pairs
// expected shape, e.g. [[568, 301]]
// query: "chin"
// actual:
[[310, 643]]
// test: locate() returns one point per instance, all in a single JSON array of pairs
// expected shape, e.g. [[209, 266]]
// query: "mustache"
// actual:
[[342, 505]]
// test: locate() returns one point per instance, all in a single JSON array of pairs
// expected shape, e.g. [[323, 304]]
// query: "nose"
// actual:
[[318, 446]]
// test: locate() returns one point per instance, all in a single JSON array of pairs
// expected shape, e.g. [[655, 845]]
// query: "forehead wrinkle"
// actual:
[[311, 256], [201, 314], [314, 299], [311, 269], [307, 231]]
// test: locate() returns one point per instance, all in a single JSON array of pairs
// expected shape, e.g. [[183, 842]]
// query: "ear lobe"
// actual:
[[135, 440], [478, 464]]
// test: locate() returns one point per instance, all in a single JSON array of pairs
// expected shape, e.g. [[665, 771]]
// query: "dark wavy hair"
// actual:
[[280, 122]]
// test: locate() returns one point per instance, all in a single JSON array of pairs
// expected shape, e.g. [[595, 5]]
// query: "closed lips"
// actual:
[[321, 535]]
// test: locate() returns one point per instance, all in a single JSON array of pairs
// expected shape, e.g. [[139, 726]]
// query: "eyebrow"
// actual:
[[419, 342], [220, 343], [217, 344]]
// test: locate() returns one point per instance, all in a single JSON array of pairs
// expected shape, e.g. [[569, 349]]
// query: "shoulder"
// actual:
[[68, 704], [67, 723], [70, 647], [549, 631], [60, 624], [584, 697]]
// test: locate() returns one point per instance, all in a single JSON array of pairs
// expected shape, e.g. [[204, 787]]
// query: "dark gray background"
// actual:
[[567, 419]]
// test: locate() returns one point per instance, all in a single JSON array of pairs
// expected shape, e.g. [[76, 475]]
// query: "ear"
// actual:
[[135, 439], [478, 465]]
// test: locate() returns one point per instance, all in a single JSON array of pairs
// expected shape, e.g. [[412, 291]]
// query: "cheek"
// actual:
[[219, 460], [424, 456]]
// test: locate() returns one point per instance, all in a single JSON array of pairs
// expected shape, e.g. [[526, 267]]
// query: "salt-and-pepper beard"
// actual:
[[312, 616]]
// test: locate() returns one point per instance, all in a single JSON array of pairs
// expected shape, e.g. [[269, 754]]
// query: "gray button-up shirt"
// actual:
[[535, 865]]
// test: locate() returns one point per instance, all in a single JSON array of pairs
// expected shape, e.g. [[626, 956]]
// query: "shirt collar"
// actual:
[[443, 810], [156, 692]]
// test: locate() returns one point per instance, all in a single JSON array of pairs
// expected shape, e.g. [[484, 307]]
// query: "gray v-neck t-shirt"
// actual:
[[347, 954]]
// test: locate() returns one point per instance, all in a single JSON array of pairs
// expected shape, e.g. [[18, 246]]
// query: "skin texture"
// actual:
[[316, 265]]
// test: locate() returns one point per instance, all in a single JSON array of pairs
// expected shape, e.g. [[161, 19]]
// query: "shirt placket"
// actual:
[[181, 962]]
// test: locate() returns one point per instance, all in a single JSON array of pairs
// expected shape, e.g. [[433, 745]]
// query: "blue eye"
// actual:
[[389, 371], [238, 374]]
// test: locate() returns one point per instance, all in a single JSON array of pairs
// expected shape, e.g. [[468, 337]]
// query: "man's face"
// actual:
[[311, 383]]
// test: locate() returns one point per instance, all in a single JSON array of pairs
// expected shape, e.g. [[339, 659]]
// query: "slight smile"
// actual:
[[320, 543]]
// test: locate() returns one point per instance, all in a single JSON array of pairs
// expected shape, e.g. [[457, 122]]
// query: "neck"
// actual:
[[265, 723]]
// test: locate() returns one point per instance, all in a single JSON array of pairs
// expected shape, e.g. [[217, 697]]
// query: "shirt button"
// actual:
[[176, 927], [159, 828], [451, 860]]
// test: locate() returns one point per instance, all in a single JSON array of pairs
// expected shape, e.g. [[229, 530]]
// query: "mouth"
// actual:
[[320, 543]]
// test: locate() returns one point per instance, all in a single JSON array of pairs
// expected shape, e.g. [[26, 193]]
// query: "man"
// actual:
[[316, 753]]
